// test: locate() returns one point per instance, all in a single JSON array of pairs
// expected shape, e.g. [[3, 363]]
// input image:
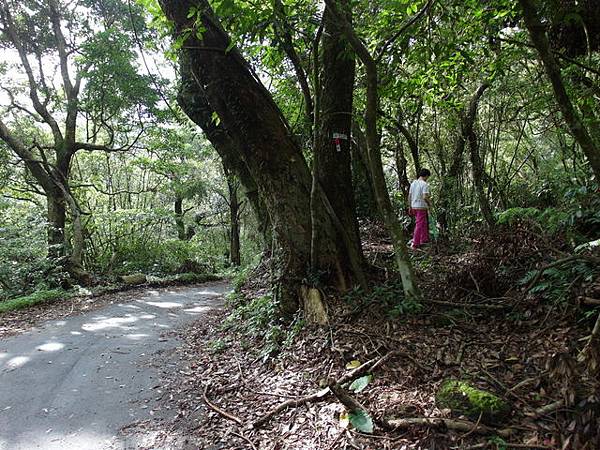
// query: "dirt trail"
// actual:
[[74, 383]]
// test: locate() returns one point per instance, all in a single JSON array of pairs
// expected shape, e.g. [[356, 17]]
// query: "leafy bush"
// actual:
[[578, 215], [556, 283], [258, 318], [24, 267]]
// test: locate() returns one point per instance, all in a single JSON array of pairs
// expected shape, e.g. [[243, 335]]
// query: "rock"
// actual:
[[136, 278], [464, 399]]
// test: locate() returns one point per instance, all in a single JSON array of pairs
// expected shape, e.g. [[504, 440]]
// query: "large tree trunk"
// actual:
[[576, 126], [263, 140], [56, 226], [409, 281], [332, 145], [194, 103]]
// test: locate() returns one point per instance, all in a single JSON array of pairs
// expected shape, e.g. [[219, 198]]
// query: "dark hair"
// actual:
[[424, 173]]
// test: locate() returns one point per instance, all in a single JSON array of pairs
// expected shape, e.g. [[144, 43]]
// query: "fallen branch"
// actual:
[[317, 396], [469, 305], [456, 425], [590, 301], [323, 393], [218, 410], [547, 409], [345, 399]]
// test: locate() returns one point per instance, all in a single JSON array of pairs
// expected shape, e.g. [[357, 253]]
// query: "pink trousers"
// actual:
[[421, 234]]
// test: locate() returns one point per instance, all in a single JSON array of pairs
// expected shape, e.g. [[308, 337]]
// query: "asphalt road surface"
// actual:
[[74, 383]]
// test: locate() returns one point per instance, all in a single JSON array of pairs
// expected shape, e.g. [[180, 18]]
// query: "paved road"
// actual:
[[72, 384]]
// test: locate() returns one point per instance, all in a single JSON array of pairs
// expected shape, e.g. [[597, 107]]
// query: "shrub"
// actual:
[[36, 298]]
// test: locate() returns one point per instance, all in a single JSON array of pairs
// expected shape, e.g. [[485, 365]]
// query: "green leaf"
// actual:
[[361, 421], [353, 364], [360, 384], [192, 12]]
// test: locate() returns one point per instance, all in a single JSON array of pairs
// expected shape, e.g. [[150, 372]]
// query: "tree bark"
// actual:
[[366, 204], [234, 222], [333, 171], [412, 145], [194, 103], [264, 142], [56, 226], [401, 168], [409, 282], [179, 223], [468, 131], [576, 126]]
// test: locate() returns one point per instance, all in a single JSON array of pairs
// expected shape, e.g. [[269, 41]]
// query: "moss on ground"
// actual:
[[464, 399], [33, 299]]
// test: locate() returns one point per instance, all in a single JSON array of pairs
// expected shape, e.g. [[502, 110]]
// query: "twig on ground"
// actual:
[[245, 439], [323, 393], [522, 383], [547, 409], [292, 403], [474, 428], [503, 386], [219, 410], [434, 422], [469, 305], [346, 399]]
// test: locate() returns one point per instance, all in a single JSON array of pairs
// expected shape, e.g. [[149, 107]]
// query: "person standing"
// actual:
[[420, 202]]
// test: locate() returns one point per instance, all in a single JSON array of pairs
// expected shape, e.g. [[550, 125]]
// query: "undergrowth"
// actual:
[[36, 298], [258, 319], [556, 283], [388, 296]]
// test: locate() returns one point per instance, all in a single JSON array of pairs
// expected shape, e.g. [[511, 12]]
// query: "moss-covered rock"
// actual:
[[136, 278], [464, 399]]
